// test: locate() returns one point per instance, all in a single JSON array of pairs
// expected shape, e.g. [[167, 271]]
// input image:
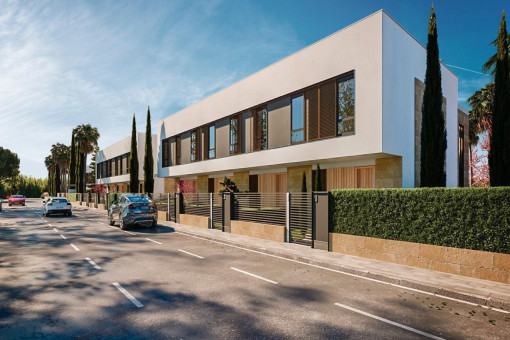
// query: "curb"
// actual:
[[423, 286]]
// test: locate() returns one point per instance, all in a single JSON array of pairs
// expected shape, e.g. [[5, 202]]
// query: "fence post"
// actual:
[[227, 211], [320, 228], [178, 206], [211, 202], [287, 218]]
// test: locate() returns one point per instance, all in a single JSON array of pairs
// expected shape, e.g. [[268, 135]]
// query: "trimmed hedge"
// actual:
[[73, 197], [470, 218]]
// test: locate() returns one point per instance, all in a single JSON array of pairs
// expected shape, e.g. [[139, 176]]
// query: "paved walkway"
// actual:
[[477, 291]]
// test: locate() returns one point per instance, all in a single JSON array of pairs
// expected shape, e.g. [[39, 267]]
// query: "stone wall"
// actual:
[[195, 220], [295, 177], [388, 172], [473, 263], [170, 184], [203, 184], [258, 230], [242, 180], [162, 216]]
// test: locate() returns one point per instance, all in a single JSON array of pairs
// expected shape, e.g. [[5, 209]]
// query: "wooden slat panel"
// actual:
[[327, 106], [312, 113], [365, 177], [341, 178]]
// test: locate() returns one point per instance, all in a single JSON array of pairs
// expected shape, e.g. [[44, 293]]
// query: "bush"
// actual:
[[73, 197], [471, 218]]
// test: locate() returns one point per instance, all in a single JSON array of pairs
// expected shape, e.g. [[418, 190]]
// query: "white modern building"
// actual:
[[112, 165], [350, 102]]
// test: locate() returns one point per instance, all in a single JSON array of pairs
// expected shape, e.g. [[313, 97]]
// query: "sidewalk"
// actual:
[[482, 292]]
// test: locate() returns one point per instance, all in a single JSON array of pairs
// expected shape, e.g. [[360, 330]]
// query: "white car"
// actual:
[[57, 205]]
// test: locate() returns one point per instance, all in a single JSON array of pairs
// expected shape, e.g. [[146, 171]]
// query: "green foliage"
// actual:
[[56, 175], [72, 161], [148, 161], [303, 182], [91, 176], [471, 218], [133, 161], [318, 179], [73, 197], [228, 186], [499, 153], [9, 164], [433, 130], [24, 185]]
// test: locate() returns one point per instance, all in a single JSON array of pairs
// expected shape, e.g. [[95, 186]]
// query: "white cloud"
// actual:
[[68, 63]]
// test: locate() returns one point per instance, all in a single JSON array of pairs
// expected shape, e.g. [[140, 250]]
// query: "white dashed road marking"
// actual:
[[389, 322], [55, 230], [93, 263], [65, 238], [186, 252], [75, 247], [253, 275], [148, 239], [126, 294]]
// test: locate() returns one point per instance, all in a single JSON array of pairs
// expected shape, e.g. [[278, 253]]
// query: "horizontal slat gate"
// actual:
[[301, 218], [265, 208]]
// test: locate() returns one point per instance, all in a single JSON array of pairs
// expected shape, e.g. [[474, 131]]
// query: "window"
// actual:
[[212, 142], [235, 135], [460, 155], [121, 168], [178, 150], [166, 153], [194, 146], [297, 124], [260, 129], [345, 107], [128, 162]]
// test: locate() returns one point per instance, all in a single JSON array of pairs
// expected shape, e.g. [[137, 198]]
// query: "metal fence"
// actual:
[[267, 208], [217, 211], [161, 201], [300, 218], [196, 204]]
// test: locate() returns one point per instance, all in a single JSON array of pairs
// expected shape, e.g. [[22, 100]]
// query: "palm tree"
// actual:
[[86, 138], [61, 156], [490, 64], [50, 166]]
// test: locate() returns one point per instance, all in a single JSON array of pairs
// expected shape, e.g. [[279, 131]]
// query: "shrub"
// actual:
[[471, 218], [72, 197]]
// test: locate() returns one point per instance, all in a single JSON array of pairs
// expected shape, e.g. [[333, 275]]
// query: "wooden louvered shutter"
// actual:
[[204, 142], [257, 130], [327, 116], [312, 112]]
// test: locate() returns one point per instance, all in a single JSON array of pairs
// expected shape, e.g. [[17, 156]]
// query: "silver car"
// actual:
[[57, 205], [133, 209]]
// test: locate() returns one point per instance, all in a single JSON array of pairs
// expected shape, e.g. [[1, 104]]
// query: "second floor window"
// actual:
[[194, 146], [260, 130], [345, 106], [212, 142], [298, 118], [166, 152], [177, 150], [235, 135]]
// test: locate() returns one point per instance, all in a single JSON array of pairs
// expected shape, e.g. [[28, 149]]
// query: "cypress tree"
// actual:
[[57, 179], [77, 167], [303, 182], [72, 162], [133, 161], [148, 160], [499, 154], [433, 131], [318, 180]]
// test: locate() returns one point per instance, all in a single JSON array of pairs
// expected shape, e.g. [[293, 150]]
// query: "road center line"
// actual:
[[65, 238], [345, 273], [389, 322], [51, 225], [186, 252], [75, 247], [256, 276], [93, 263], [55, 230], [126, 294], [148, 239]]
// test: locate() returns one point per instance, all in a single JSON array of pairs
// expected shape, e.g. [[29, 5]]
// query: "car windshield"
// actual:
[[59, 200], [17, 196], [138, 199]]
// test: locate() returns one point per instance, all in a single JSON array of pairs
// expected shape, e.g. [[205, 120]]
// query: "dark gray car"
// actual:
[[133, 209]]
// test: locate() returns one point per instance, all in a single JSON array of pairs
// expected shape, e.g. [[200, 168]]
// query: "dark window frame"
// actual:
[[339, 120], [235, 135], [178, 158], [165, 149], [194, 144], [460, 154], [302, 95], [211, 146]]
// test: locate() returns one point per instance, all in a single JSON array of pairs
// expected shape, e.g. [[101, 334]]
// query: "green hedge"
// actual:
[[72, 197], [471, 218]]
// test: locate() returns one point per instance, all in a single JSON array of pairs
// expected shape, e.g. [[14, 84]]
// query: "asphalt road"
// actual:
[[77, 277]]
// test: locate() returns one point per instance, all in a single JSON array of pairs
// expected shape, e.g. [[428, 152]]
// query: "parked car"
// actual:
[[57, 205], [133, 209], [16, 199]]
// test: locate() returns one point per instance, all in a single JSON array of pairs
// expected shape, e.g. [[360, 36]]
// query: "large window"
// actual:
[[212, 142], [235, 135], [345, 106], [298, 117], [177, 150], [194, 146]]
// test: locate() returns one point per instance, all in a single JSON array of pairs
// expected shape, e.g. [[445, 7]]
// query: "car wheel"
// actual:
[[121, 223], [69, 213], [154, 224], [110, 220]]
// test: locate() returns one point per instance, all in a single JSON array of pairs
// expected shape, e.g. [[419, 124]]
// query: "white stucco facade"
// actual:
[[385, 60]]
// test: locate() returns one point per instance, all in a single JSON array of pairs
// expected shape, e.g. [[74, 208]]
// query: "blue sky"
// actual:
[[64, 63]]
